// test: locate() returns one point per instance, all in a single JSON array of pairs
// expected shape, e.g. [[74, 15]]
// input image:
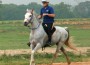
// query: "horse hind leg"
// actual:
[[54, 57], [67, 58], [59, 45]]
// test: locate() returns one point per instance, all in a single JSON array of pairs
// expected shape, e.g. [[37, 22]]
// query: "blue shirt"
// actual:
[[47, 10]]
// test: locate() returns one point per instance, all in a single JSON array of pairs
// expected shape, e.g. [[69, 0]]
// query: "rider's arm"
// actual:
[[40, 16], [51, 14]]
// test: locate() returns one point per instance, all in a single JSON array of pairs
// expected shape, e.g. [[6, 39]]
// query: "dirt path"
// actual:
[[73, 63], [47, 50]]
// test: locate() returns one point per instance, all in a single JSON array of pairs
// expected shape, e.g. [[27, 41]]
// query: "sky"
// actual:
[[19, 2]]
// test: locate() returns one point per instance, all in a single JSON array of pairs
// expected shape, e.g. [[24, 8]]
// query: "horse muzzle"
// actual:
[[25, 23]]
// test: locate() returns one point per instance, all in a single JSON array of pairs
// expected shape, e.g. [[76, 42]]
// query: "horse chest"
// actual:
[[35, 36]]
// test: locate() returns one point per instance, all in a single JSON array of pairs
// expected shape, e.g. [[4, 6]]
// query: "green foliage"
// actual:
[[62, 10], [0, 8], [0, 1], [82, 10], [16, 12]]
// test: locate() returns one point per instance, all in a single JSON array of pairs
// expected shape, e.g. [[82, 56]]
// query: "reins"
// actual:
[[34, 28]]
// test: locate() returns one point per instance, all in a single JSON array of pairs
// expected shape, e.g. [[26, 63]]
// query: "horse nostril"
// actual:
[[25, 23]]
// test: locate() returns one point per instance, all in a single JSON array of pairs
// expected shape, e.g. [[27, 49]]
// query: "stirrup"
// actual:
[[29, 44]]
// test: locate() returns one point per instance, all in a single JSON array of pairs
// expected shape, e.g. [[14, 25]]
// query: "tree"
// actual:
[[0, 9], [0, 1], [63, 11], [82, 10]]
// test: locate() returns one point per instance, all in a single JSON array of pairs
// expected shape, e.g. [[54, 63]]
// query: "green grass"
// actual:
[[39, 58], [13, 35], [81, 37]]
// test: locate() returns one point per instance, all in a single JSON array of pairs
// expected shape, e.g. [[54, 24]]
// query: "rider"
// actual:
[[47, 13]]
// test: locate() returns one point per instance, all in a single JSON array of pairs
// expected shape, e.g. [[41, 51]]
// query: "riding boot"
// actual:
[[29, 44], [49, 41]]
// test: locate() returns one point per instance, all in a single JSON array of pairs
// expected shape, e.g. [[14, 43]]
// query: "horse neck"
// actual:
[[35, 22]]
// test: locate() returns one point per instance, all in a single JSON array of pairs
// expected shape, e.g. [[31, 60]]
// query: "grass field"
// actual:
[[13, 35], [40, 58]]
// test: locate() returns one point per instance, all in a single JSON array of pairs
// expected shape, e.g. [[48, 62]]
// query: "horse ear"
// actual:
[[32, 11], [27, 10]]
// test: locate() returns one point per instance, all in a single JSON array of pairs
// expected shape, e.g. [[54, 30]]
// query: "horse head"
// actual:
[[28, 17]]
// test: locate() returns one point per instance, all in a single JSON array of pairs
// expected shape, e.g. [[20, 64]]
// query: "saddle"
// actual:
[[51, 32]]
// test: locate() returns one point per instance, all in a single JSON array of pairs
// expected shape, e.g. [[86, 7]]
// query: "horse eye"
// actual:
[[30, 16]]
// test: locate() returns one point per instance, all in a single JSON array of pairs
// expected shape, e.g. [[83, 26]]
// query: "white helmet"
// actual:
[[45, 0]]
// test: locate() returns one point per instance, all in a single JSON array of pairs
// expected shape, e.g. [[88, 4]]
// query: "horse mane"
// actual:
[[36, 16]]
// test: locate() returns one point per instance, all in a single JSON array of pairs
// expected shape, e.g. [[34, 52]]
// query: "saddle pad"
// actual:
[[53, 30]]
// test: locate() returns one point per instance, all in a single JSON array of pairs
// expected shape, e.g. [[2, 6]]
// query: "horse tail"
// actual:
[[67, 42]]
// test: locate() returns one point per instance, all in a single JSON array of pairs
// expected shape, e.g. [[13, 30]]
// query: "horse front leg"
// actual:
[[38, 46], [32, 55]]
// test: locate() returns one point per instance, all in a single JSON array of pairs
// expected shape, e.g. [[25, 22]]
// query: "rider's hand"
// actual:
[[39, 17], [45, 14]]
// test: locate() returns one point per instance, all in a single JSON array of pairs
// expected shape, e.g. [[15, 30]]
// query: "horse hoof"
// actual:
[[29, 44], [32, 63], [69, 63]]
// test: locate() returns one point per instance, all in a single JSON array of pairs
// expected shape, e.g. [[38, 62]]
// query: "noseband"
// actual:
[[31, 22], [30, 19]]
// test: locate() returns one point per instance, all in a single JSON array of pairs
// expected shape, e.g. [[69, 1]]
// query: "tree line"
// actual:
[[62, 10]]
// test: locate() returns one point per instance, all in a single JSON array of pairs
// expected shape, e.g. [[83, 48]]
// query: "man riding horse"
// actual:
[[47, 13], [38, 36]]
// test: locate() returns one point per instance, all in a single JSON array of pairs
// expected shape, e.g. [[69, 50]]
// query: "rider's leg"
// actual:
[[49, 29], [29, 44]]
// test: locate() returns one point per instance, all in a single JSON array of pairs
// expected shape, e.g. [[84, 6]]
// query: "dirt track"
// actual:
[[73, 63], [47, 50]]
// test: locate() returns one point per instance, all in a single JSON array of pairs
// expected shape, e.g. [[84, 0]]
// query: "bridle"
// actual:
[[34, 28], [31, 23], [30, 19]]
